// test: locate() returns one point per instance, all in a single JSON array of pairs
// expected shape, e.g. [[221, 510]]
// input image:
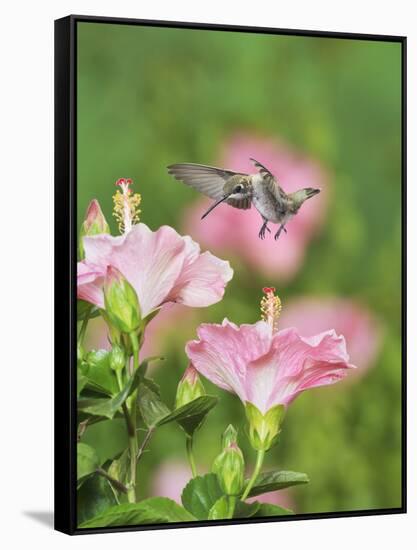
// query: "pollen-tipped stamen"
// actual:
[[126, 205], [271, 308]]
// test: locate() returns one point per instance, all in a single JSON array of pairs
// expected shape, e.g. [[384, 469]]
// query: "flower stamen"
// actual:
[[126, 205], [271, 308]]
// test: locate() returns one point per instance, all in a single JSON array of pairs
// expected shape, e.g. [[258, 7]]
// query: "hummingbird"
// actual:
[[242, 190]]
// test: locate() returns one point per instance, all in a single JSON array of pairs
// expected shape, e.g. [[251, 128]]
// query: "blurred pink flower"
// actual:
[[236, 231], [354, 321], [161, 265], [170, 479], [264, 367]]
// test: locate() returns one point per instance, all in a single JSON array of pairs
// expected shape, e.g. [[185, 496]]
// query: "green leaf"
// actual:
[[109, 407], [274, 481], [119, 468], [99, 374], [85, 308], [149, 511], [191, 415], [87, 461], [246, 509], [143, 367], [94, 497], [272, 510], [220, 509], [200, 494], [151, 407], [81, 382]]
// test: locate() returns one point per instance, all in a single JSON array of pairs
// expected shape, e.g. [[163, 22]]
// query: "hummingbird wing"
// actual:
[[209, 180], [270, 182]]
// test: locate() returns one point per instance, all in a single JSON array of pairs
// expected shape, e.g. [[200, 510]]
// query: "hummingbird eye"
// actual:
[[238, 188]]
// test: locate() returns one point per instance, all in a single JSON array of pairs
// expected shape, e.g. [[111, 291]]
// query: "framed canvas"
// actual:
[[230, 282]]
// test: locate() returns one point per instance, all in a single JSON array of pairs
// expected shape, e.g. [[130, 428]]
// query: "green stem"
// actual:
[[133, 442], [232, 504], [190, 455], [115, 483], [259, 461], [145, 443], [83, 328]]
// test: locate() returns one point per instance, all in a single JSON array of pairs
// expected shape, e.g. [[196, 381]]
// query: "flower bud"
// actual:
[[189, 388], [229, 436], [117, 358], [264, 428], [121, 301], [229, 467], [94, 224]]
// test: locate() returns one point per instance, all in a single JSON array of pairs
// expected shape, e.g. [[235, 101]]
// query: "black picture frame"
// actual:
[[66, 259]]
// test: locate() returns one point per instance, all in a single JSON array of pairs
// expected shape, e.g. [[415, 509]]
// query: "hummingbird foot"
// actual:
[[278, 233], [264, 228]]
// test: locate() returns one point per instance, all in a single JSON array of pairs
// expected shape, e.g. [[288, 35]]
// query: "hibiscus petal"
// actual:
[[304, 363], [202, 281], [150, 261], [223, 351], [89, 284]]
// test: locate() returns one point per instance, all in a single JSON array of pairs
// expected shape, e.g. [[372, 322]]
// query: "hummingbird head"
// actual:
[[236, 187], [302, 195]]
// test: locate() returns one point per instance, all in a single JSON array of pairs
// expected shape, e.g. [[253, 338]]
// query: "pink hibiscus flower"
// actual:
[[236, 231], [161, 265], [264, 366]]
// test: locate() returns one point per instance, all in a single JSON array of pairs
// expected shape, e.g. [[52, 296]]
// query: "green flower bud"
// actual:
[[117, 358], [229, 467], [94, 224], [189, 388], [264, 428], [121, 301], [229, 436]]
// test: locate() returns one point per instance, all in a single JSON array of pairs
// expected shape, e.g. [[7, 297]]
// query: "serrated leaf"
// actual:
[[272, 510], [151, 407], [275, 481], [85, 308], [81, 382], [94, 497], [191, 415], [87, 462], [200, 494], [246, 509], [100, 376], [220, 509], [150, 511], [109, 407]]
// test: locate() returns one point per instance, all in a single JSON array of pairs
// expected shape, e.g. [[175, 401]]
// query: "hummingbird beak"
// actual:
[[213, 206], [311, 192]]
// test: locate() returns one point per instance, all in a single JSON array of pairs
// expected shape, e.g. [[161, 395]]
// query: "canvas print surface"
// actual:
[[239, 275]]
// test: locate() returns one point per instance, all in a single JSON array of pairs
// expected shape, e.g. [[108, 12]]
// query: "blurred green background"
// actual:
[[149, 97]]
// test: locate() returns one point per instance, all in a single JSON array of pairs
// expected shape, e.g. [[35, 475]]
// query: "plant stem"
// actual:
[[83, 328], [144, 443], [190, 455], [116, 484], [133, 442], [232, 504], [259, 461]]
